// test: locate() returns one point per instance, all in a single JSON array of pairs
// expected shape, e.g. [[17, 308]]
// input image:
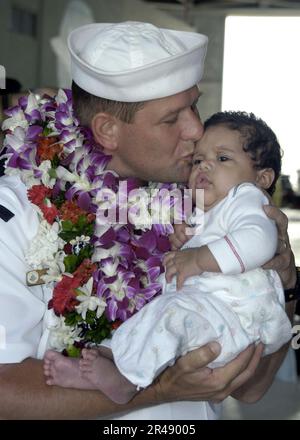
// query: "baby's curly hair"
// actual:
[[260, 141]]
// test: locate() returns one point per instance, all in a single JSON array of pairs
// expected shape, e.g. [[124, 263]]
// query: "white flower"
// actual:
[[51, 125], [55, 268], [61, 97], [75, 137], [27, 176], [138, 209], [81, 239], [32, 103], [109, 268], [43, 248], [118, 289], [17, 120], [48, 181], [101, 253], [80, 182], [106, 198], [15, 140], [89, 301], [100, 228], [62, 335]]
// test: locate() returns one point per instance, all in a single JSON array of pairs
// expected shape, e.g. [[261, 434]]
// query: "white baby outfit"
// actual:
[[241, 305]]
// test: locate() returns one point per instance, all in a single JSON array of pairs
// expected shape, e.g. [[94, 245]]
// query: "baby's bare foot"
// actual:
[[104, 375], [64, 371], [88, 357]]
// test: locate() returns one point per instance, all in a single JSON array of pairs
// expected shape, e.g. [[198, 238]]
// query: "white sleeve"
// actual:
[[21, 307], [251, 237]]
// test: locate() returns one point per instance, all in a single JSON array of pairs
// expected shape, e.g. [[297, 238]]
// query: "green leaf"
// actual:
[[72, 319], [60, 199], [67, 225], [47, 131], [82, 222], [86, 252], [100, 329], [55, 162], [52, 173], [73, 352], [71, 263]]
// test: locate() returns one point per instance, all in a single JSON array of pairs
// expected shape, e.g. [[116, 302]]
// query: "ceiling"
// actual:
[[239, 3]]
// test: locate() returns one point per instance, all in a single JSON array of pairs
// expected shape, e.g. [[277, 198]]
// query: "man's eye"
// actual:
[[195, 110], [171, 121], [223, 158], [197, 161]]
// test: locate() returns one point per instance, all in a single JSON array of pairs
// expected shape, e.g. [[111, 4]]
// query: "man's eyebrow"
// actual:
[[178, 110]]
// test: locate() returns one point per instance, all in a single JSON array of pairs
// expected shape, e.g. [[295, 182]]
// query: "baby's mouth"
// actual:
[[202, 182]]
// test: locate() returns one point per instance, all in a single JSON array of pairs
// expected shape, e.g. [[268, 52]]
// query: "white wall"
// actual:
[[18, 53], [32, 61]]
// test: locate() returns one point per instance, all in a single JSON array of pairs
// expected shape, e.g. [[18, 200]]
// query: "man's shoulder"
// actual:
[[13, 195], [11, 182], [12, 186]]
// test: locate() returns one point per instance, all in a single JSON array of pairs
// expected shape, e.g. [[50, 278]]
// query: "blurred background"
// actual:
[[252, 64]]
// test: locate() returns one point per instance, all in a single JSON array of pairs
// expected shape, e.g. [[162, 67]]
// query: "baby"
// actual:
[[216, 289]]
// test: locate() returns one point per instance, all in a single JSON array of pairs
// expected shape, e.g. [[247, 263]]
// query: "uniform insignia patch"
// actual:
[[6, 214]]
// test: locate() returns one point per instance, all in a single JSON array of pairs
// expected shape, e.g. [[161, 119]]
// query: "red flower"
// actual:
[[50, 213], [116, 324], [38, 193], [64, 295], [48, 148], [85, 271], [71, 211]]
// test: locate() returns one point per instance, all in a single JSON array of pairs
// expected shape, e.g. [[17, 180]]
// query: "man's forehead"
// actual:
[[176, 102]]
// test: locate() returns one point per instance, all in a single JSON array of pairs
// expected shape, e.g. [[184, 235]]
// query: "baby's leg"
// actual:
[[104, 375], [64, 371]]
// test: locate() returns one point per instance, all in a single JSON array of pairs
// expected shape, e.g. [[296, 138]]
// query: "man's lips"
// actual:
[[188, 159]]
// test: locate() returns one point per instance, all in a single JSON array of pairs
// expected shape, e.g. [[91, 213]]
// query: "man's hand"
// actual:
[[190, 378], [179, 237], [284, 261]]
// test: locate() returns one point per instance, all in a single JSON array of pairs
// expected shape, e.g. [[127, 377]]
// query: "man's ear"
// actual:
[[105, 130], [265, 177]]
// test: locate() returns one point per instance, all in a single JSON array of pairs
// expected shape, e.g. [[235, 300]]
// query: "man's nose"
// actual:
[[192, 127]]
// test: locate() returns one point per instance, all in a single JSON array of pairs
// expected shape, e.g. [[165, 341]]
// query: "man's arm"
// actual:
[[24, 394], [284, 262]]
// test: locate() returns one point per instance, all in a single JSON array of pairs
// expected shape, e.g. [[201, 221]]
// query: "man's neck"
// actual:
[[115, 165]]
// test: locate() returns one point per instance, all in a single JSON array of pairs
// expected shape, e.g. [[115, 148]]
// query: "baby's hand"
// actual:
[[179, 237], [183, 264]]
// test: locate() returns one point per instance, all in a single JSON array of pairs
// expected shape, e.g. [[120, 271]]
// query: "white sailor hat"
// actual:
[[134, 61]]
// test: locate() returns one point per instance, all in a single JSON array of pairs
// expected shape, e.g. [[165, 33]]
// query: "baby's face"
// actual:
[[219, 164]]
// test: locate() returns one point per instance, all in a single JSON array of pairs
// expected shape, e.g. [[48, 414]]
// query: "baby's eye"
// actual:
[[223, 158], [197, 161]]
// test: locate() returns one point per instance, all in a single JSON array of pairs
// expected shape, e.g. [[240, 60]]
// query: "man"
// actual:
[[150, 135]]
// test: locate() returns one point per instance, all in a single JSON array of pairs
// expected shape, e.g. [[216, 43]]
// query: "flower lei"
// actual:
[[101, 273]]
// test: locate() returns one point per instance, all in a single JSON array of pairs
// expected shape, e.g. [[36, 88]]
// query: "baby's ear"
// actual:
[[265, 178]]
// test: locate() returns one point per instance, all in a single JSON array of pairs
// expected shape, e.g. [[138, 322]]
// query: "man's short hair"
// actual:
[[86, 106], [260, 141]]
